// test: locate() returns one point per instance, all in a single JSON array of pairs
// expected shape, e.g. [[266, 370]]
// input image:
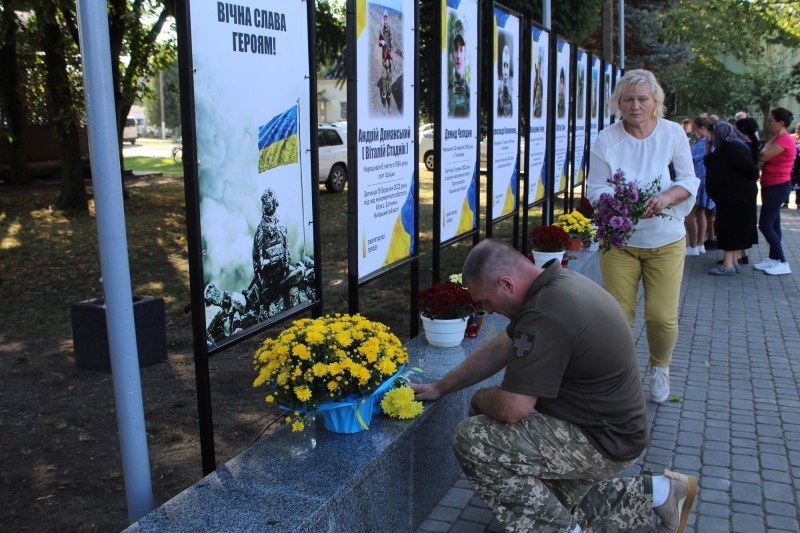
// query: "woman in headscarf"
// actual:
[[731, 177]]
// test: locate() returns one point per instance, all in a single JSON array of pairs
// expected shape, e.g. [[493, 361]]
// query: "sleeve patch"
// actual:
[[526, 341]]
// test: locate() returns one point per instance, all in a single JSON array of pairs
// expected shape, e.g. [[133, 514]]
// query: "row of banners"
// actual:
[[458, 142], [254, 115]]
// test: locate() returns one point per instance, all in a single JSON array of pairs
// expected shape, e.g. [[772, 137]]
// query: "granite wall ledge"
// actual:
[[385, 479]]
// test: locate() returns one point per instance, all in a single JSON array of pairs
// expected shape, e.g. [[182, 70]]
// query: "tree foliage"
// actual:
[[738, 29]]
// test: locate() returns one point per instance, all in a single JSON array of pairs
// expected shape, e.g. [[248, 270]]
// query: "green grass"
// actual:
[[154, 164], [49, 258]]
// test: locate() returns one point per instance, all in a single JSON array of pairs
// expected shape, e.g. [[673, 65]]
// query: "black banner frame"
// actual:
[[590, 61], [601, 124], [195, 252], [545, 200], [475, 233], [490, 220], [570, 98], [574, 127], [353, 280]]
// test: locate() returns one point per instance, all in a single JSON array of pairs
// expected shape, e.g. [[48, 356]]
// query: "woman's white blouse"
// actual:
[[645, 161]]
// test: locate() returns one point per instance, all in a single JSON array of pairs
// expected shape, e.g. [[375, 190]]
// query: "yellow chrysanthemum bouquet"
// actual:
[[578, 226], [334, 365]]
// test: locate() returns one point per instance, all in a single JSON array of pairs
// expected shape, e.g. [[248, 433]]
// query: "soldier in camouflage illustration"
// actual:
[[458, 88], [561, 108], [385, 42], [541, 449], [271, 260]]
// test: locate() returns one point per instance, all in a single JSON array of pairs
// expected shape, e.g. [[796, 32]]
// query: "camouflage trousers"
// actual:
[[386, 82], [542, 475]]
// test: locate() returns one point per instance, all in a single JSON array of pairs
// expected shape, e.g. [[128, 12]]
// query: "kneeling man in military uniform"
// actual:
[[542, 448]]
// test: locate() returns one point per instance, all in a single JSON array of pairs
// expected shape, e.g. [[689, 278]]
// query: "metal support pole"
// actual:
[[622, 34], [546, 9], [106, 179], [161, 99]]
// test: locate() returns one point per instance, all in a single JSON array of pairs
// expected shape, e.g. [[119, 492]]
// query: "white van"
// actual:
[[130, 132]]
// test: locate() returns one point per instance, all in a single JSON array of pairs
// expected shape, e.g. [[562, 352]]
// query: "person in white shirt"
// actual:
[[643, 145]]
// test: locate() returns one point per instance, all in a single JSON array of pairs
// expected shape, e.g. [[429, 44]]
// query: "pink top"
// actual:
[[779, 169]]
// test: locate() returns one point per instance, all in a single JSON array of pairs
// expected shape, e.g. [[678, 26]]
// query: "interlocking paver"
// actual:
[[736, 366]]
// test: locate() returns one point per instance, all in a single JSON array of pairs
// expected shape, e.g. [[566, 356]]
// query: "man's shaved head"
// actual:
[[491, 259]]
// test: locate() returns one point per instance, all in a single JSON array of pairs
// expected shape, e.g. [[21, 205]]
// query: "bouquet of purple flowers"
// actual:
[[616, 216]]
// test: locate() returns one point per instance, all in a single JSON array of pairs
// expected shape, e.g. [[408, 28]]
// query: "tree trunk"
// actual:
[[73, 191], [10, 97]]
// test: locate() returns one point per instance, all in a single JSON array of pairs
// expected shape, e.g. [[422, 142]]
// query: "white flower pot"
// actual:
[[540, 258], [444, 333]]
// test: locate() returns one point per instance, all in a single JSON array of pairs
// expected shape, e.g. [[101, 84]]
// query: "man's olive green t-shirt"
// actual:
[[572, 347]]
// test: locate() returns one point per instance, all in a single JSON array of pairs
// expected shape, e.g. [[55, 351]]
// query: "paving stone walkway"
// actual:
[[737, 427]]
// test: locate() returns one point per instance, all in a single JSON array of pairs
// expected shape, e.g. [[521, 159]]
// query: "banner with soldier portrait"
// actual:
[[505, 108], [594, 109], [536, 148], [579, 114], [458, 186], [254, 175], [608, 80], [385, 42], [562, 160]]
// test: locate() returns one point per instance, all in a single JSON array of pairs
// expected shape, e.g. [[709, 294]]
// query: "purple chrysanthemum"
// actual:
[[601, 232], [633, 195], [616, 240], [626, 224], [619, 189], [616, 222]]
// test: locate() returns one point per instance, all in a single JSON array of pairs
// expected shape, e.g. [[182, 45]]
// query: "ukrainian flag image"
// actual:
[[278, 141], [402, 240], [511, 193], [469, 220]]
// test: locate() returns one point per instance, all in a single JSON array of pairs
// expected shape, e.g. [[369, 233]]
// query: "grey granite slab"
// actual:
[[387, 478]]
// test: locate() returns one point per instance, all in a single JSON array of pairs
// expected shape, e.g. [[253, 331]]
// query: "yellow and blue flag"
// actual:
[[277, 141]]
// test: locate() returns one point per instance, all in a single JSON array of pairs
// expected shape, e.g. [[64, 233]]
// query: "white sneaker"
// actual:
[[779, 268], [659, 384], [766, 263], [701, 249], [692, 250]]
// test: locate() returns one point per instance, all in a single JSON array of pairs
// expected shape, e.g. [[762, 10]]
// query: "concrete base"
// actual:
[[90, 334], [386, 479]]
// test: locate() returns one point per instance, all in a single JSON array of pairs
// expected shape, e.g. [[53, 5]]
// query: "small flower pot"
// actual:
[[574, 245], [540, 258], [444, 333], [351, 418], [474, 325]]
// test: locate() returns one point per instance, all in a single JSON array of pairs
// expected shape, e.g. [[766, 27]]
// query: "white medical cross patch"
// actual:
[[526, 340]]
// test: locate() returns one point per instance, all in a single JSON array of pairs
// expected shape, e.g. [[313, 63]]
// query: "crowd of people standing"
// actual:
[[726, 157]]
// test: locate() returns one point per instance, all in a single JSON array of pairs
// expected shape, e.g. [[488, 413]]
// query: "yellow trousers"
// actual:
[[661, 272]]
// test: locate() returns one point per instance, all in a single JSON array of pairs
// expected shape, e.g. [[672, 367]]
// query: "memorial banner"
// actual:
[[255, 177], [536, 148], [579, 122], [460, 134], [562, 160], [505, 106], [594, 119], [607, 87], [386, 132]]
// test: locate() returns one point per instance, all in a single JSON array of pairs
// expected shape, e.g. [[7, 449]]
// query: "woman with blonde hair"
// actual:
[[643, 144]]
